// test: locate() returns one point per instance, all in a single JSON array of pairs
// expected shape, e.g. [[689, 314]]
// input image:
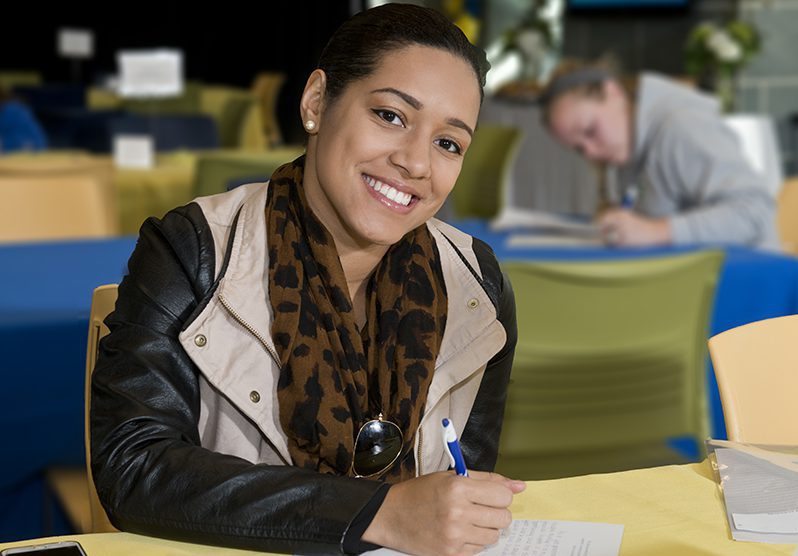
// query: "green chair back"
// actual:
[[188, 102], [479, 192], [11, 79], [229, 106], [610, 364], [216, 170]]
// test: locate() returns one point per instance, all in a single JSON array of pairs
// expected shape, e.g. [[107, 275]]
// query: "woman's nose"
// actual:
[[412, 156]]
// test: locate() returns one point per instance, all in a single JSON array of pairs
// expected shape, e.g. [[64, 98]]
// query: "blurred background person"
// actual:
[[682, 175], [19, 129]]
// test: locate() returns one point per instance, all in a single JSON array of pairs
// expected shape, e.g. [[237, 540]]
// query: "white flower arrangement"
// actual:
[[715, 53]]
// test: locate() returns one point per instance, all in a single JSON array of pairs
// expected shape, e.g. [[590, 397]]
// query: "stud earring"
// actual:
[[310, 125]]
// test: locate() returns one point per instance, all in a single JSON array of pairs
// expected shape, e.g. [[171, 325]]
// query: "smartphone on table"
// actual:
[[61, 548]]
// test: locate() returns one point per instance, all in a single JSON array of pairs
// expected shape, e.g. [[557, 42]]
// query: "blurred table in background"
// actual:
[[171, 182], [141, 193], [753, 285], [44, 309]]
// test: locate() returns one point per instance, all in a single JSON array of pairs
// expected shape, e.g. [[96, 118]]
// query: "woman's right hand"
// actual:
[[444, 514]]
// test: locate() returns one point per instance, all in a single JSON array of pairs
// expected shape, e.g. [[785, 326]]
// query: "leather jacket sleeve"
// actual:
[[480, 438], [152, 475]]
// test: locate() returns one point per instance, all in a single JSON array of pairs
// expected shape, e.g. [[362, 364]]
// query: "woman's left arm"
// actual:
[[480, 438]]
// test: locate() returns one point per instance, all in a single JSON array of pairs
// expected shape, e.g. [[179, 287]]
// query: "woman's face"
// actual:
[[386, 153], [599, 128]]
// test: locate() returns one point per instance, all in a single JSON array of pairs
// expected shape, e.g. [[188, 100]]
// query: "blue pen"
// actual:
[[453, 448], [629, 198]]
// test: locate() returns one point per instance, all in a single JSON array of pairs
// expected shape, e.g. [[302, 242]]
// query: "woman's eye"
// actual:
[[449, 145], [390, 117]]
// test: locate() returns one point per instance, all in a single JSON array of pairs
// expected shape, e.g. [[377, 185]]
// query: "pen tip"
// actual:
[[445, 422]]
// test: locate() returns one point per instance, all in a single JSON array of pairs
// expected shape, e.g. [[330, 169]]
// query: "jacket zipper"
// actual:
[[420, 447], [251, 330]]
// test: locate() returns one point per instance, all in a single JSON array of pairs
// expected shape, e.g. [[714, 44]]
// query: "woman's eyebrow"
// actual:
[[418, 105], [411, 100], [461, 124]]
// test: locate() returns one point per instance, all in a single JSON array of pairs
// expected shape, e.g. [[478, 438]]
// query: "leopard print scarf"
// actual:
[[333, 377]]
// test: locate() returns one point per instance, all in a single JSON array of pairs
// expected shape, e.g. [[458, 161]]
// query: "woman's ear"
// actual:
[[312, 103]]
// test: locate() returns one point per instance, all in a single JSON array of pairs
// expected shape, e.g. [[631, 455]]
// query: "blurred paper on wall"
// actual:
[[134, 151], [75, 43], [150, 73]]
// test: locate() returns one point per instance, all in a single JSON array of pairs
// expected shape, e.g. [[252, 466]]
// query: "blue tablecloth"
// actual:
[[753, 285], [44, 309]]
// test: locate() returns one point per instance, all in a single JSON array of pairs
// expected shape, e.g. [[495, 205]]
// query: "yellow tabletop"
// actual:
[[675, 510], [666, 511], [141, 193]]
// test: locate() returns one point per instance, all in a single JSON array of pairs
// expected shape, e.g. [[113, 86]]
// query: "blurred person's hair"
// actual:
[[358, 46], [583, 78]]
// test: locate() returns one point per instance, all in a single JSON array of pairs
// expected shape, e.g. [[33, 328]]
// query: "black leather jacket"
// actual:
[[152, 474]]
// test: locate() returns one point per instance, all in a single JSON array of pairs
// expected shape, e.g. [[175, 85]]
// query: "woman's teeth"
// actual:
[[391, 193]]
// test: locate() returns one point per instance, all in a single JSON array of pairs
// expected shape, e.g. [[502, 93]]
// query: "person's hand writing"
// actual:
[[624, 227], [444, 514]]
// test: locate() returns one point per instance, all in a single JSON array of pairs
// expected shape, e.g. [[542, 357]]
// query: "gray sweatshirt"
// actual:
[[687, 165]]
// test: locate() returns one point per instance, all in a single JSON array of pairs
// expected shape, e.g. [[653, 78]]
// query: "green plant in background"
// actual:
[[716, 53], [533, 38]]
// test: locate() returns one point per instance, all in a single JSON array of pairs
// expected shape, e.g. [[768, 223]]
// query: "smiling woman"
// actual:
[[282, 356]]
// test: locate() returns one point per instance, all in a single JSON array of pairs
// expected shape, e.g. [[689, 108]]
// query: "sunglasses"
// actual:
[[377, 446]]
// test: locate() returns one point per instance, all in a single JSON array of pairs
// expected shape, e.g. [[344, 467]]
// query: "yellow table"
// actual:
[[666, 511], [141, 193], [174, 180], [675, 510]]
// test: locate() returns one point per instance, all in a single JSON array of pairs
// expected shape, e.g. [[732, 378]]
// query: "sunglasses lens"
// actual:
[[377, 446]]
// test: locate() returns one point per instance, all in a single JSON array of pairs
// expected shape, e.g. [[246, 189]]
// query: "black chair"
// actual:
[[170, 132], [79, 128], [52, 96], [237, 182]]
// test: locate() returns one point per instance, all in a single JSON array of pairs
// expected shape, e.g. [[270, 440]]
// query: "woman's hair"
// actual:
[[356, 48], [585, 79]]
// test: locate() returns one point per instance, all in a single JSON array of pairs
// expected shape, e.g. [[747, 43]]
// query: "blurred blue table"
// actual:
[[44, 311], [753, 285]]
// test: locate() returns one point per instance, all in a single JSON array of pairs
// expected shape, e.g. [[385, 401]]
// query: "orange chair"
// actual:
[[787, 215], [74, 487], [755, 365], [46, 197], [48, 208]]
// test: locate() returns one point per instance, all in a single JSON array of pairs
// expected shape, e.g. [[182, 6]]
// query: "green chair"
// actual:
[[188, 102], [232, 108], [610, 364], [266, 87], [216, 170], [10, 79], [480, 189]]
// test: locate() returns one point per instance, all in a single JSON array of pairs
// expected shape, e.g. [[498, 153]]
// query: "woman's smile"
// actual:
[[393, 196]]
